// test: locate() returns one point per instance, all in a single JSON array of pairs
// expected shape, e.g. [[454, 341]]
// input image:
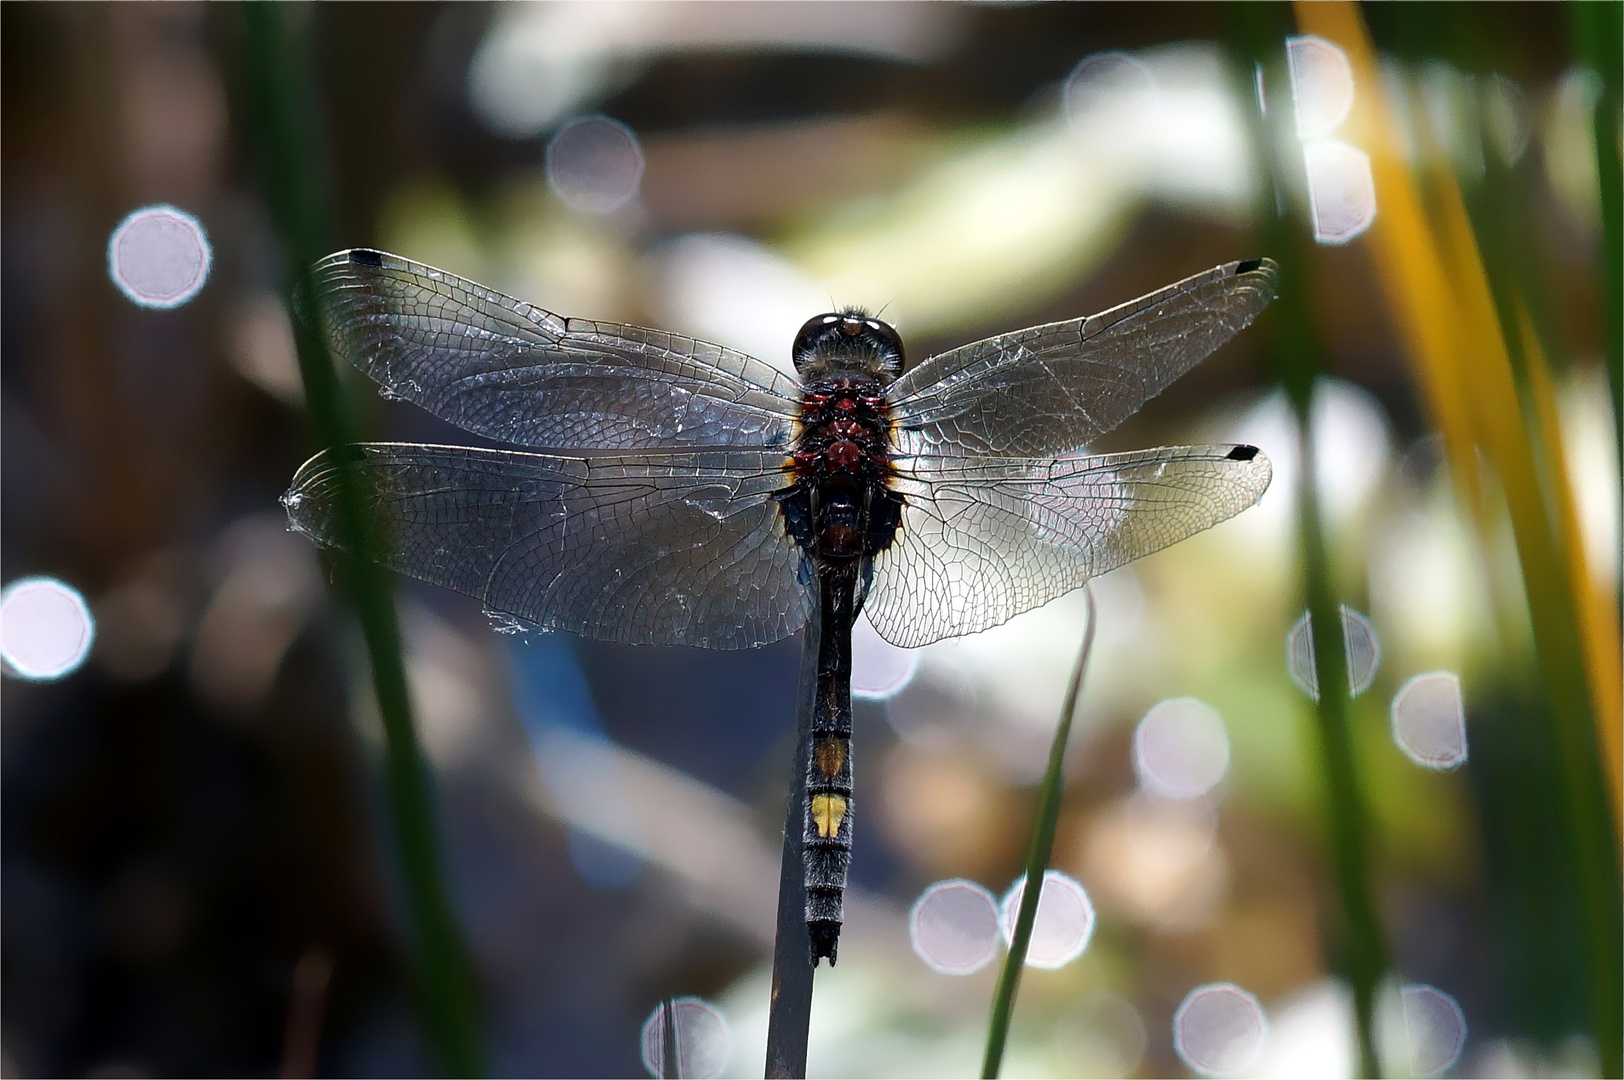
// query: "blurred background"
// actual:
[[199, 870]]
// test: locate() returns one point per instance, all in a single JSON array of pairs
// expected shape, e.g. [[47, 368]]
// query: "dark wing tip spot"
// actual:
[[366, 257], [1243, 453], [1246, 266]]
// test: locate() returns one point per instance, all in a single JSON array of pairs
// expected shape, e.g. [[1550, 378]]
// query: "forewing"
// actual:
[[984, 539], [670, 549], [511, 371], [1054, 388]]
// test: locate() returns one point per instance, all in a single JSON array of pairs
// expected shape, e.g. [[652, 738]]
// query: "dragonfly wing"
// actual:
[[1054, 388], [984, 539], [684, 548], [509, 370]]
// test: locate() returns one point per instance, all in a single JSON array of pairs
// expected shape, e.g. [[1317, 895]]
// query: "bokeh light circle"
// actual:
[[159, 257], [1429, 720], [953, 927], [1180, 749], [1104, 82], [1436, 1027], [1361, 650], [1219, 1029], [879, 670], [595, 165], [1064, 923], [703, 1043], [1341, 191], [46, 629], [1321, 84]]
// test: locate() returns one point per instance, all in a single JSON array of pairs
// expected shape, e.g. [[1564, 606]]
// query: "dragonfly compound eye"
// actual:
[[889, 343], [814, 337], [847, 336]]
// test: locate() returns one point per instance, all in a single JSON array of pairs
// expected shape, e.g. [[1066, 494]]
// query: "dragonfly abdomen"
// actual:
[[826, 823]]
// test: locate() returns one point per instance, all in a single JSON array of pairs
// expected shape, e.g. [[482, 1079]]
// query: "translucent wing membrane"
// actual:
[[656, 518], [509, 370], [654, 522], [984, 539], [662, 549], [1054, 388]]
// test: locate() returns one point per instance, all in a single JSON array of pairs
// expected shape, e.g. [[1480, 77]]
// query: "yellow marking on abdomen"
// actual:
[[827, 812]]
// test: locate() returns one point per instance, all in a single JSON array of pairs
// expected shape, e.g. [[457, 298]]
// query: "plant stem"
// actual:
[[1599, 33], [1557, 589], [790, 1013], [289, 160], [1038, 851], [1281, 204], [1346, 815], [670, 1049]]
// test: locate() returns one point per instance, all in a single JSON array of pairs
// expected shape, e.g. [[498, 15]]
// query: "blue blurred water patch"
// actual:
[[549, 689], [724, 718], [551, 695], [603, 865]]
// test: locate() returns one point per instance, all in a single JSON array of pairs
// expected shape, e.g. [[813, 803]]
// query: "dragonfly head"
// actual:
[[849, 340]]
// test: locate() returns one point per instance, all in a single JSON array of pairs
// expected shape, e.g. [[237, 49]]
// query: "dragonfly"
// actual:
[[662, 490]]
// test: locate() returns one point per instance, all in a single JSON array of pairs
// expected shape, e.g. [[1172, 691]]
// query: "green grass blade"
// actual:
[[1598, 30], [283, 125], [1260, 32], [1499, 210], [1037, 858], [670, 1048]]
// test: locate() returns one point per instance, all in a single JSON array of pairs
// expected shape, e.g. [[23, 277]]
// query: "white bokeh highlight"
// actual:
[[1361, 649], [1064, 922], [703, 1042], [1341, 186], [1435, 1029], [1341, 191], [1180, 749], [737, 292], [46, 629], [1451, 102], [595, 165], [1507, 117], [954, 927], [159, 257], [879, 670], [1429, 720], [1219, 1030], [539, 62], [1321, 85], [1108, 83], [1311, 1035]]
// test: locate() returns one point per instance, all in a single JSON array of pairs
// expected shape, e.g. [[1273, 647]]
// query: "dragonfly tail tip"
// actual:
[[825, 938]]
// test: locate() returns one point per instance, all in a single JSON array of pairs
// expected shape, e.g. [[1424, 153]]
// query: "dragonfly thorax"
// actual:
[[841, 505], [845, 432]]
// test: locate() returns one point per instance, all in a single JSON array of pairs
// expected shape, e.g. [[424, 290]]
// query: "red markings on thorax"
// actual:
[[844, 426]]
